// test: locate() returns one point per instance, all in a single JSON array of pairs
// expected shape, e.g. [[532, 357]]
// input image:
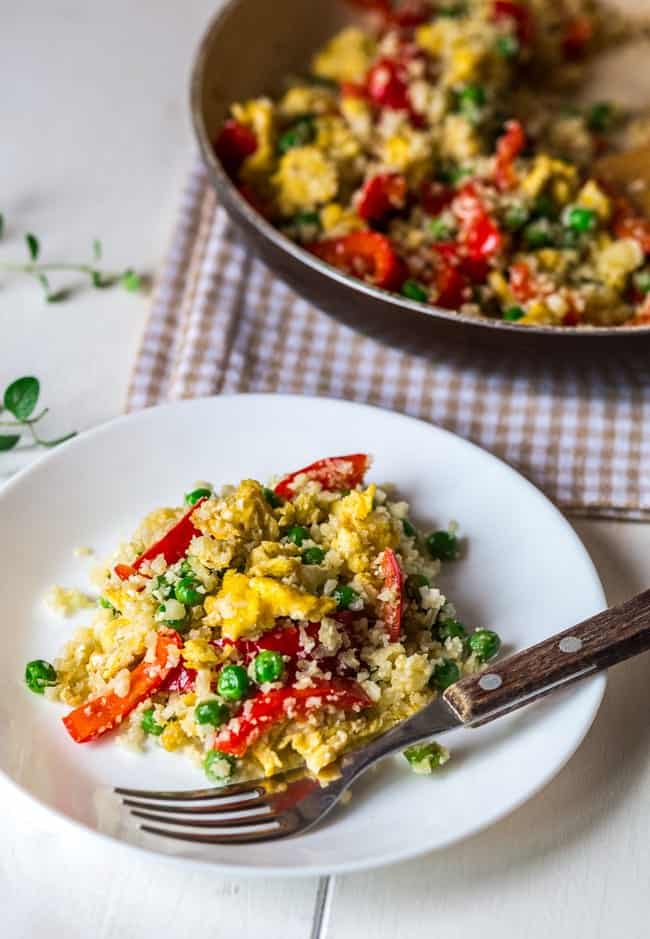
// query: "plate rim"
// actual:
[[252, 871]]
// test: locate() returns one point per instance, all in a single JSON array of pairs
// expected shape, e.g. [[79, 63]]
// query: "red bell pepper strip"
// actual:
[[333, 473], [102, 714], [234, 144], [522, 282], [381, 195], [509, 146], [368, 255], [479, 234], [410, 14], [180, 679], [260, 713], [450, 281], [434, 197], [392, 610], [282, 639], [578, 35], [520, 13], [173, 545]]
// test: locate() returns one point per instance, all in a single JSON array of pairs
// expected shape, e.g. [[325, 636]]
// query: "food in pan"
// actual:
[[437, 152]]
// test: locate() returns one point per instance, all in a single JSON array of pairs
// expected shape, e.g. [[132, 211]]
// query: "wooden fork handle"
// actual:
[[603, 640]]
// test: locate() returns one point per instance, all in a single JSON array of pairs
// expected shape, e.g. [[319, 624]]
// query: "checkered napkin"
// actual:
[[220, 322]]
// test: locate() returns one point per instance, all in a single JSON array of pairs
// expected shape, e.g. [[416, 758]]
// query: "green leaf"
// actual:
[[55, 443], [97, 249], [100, 280], [32, 246], [58, 296], [8, 441], [130, 280], [21, 396]]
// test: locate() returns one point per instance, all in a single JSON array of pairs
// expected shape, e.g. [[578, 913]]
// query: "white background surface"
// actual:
[[95, 143]]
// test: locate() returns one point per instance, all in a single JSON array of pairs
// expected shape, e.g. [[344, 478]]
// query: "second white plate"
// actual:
[[526, 574]]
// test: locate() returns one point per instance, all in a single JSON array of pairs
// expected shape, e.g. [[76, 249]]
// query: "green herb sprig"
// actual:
[[20, 400], [99, 278]]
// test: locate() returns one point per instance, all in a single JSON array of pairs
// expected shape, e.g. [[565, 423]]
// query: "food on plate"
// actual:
[[266, 627], [438, 151]]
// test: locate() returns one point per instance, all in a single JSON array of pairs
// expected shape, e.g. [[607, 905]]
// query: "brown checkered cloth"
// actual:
[[220, 322]]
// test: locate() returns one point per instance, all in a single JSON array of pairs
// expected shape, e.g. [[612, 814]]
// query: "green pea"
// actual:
[[451, 629], [508, 46], [600, 117], [233, 682], [218, 766], [211, 712], [513, 313], [414, 291], [453, 10], [471, 100], [268, 666], [484, 644], [642, 281], [149, 725], [413, 584], [185, 592], [544, 207], [443, 545], [306, 218], [408, 528], [580, 219], [428, 756], [272, 498], [344, 596], [440, 229], [299, 134], [313, 556], [297, 534], [538, 234], [452, 173], [39, 675], [515, 217], [444, 675], [191, 498]]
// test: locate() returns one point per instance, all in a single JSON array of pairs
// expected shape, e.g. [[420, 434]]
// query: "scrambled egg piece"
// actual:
[[546, 169], [337, 220], [360, 531], [305, 179], [243, 515], [591, 196], [258, 115], [617, 259], [346, 57], [246, 605], [306, 99]]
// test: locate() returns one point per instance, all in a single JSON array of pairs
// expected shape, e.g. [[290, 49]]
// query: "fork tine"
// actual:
[[238, 821], [266, 834], [255, 787], [214, 808]]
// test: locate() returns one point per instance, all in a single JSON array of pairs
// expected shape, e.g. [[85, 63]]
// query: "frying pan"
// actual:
[[248, 50]]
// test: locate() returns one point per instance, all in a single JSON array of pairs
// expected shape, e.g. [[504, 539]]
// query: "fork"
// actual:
[[291, 803]]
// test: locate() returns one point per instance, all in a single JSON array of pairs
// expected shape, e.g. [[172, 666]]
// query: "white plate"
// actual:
[[526, 574]]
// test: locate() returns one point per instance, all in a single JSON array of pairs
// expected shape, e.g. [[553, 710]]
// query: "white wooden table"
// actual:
[[95, 142]]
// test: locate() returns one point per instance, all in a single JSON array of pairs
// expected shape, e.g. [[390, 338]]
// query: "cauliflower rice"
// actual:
[[258, 629]]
